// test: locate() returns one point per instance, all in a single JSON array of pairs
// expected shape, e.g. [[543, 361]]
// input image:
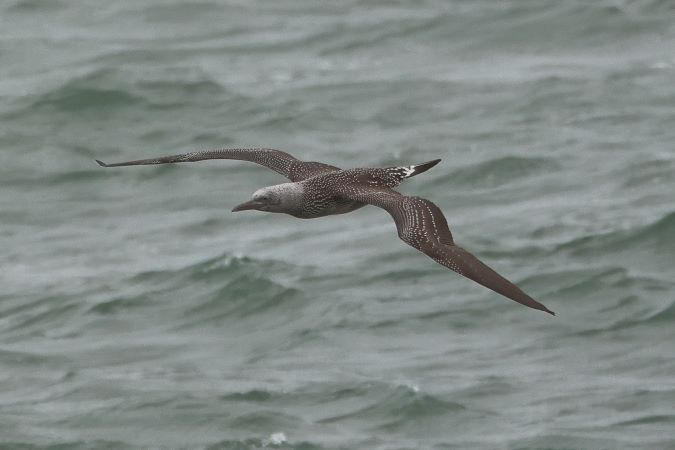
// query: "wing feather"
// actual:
[[277, 160], [422, 225]]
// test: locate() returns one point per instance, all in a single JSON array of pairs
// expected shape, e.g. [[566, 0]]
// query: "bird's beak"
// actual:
[[251, 204]]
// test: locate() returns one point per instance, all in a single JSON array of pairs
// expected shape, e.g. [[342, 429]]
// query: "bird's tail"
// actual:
[[416, 169], [392, 176]]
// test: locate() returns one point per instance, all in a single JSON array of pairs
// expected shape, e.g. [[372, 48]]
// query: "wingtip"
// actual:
[[546, 310], [101, 163], [536, 305]]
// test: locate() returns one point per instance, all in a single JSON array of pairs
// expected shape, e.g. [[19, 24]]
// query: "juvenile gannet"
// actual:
[[318, 189]]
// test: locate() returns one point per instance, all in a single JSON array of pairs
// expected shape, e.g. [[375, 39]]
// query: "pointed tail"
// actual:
[[416, 169]]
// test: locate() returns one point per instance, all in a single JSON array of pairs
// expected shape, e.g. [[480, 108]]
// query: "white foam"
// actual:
[[275, 439]]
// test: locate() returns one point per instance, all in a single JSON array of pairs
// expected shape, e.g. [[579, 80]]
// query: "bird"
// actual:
[[316, 190]]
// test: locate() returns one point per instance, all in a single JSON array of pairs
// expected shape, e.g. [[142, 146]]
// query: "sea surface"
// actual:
[[136, 311]]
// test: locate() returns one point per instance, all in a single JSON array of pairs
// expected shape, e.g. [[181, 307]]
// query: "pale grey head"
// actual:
[[281, 198]]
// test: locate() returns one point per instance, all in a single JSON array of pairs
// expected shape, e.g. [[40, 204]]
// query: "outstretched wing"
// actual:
[[421, 224], [277, 160]]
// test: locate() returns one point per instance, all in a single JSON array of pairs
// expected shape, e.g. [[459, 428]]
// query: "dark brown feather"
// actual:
[[422, 225], [277, 160]]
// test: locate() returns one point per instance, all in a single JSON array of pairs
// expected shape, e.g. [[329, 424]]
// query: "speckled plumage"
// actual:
[[318, 190]]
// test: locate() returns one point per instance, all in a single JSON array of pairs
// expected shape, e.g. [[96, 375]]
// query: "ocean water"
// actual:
[[136, 311]]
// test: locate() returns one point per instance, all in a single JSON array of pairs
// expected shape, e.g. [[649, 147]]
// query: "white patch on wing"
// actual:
[[408, 171]]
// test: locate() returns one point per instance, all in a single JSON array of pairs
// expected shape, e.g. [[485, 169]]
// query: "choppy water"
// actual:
[[137, 312]]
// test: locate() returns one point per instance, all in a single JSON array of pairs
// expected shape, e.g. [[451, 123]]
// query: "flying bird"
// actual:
[[316, 190]]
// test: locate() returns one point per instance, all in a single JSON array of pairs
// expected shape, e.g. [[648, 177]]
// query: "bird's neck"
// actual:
[[292, 195]]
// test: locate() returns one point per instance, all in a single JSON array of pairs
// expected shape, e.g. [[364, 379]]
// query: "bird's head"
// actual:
[[284, 198]]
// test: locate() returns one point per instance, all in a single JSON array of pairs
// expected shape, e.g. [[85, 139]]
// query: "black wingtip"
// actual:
[[541, 307], [101, 163], [535, 305]]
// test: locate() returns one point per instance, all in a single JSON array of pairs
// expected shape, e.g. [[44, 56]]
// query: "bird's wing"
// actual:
[[277, 160], [421, 224]]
